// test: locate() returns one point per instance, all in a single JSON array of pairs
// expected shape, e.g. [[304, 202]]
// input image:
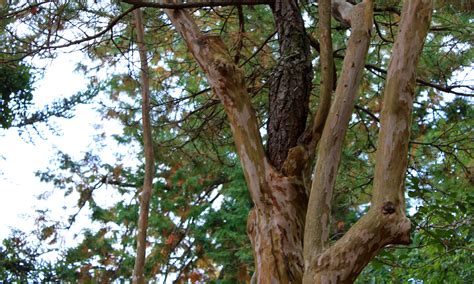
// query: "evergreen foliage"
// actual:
[[200, 203]]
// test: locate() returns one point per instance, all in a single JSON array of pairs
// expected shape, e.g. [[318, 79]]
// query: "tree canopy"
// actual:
[[197, 228]]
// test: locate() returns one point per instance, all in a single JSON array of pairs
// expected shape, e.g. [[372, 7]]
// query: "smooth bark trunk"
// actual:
[[145, 194], [385, 223], [276, 231], [275, 224], [330, 147]]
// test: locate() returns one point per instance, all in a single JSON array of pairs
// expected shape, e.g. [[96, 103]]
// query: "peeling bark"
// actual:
[[276, 232], [343, 261], [385, 223], [395, 120], [227, 82], [330, 147], [276, 223]]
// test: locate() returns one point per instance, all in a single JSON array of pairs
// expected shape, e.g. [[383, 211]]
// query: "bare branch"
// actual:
[[420, 82], [329, 153], [145, 195]]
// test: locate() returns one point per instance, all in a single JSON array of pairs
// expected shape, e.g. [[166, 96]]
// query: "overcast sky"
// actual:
[[20, 158]]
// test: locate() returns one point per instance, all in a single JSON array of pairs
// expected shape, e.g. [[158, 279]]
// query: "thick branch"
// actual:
[[343, 262], [385, 223], [342, 11], [227, 82], [391, 158], [138, 275], [330, 146]]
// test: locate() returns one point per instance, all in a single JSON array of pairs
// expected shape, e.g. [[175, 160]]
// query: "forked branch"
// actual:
[[385, 223]]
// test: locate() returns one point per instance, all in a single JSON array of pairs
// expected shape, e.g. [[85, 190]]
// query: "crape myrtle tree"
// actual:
[[288, 230], [327, 93]]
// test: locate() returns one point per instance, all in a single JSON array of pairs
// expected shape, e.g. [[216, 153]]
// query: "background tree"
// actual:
[[196, 137]]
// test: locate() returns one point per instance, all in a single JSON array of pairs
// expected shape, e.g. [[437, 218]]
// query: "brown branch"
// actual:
[[24, 9], [315, 44], [368, 113], [240, 40], [105, 180], [228, 83], [379, 33], [385, 223], [109, 27], [145, 195], [258, 49], [330, 145], [328, 71], [420, 82]]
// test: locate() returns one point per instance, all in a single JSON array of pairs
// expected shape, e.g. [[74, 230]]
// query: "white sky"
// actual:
[[21, 158]]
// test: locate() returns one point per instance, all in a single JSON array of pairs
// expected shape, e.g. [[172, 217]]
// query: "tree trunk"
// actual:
[[385, 223], [276, 224], [290, 83], [276, 231]]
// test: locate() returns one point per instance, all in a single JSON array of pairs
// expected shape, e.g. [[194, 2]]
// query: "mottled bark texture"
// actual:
[[330, 146], [328, 72], [276, 231], [278, 220], [275, 224], [385, 223], [290, 83], [145, 194]]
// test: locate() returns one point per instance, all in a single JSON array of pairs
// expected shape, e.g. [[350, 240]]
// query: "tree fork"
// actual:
[[276, 223], [385, 223], [330, 145]]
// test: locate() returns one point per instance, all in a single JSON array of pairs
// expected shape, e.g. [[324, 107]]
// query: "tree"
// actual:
[[276, 224], [293, 210]]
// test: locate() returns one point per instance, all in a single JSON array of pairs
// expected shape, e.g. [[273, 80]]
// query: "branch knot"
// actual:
[[388, 208]]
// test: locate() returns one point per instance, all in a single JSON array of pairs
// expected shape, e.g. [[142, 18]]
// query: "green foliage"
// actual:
[[16, 92], [199, 206], [20, 260]]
